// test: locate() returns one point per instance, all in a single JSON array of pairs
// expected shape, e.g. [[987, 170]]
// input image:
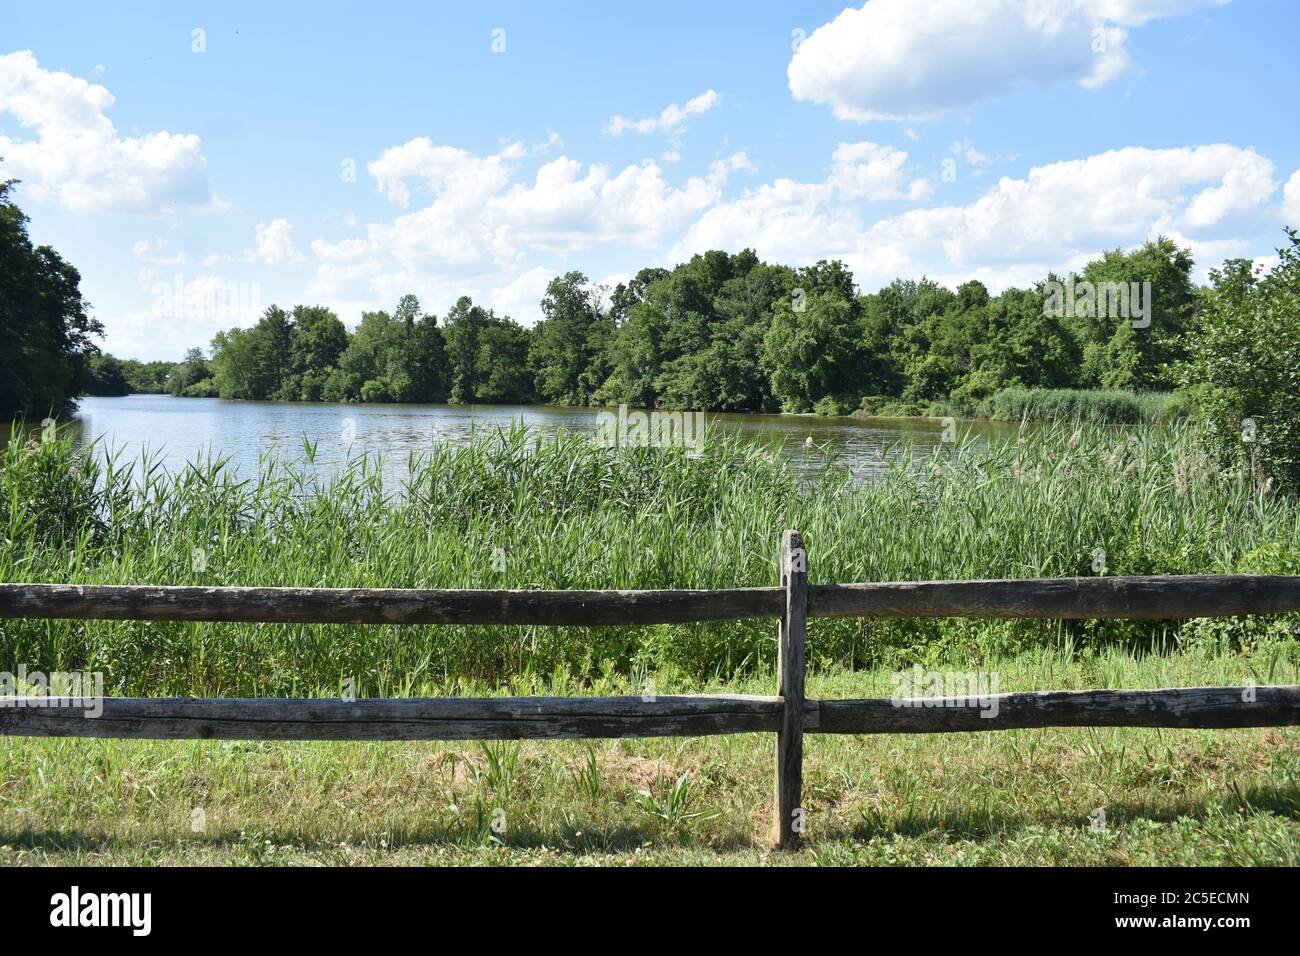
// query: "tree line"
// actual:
[[722, 332], [728, 332]]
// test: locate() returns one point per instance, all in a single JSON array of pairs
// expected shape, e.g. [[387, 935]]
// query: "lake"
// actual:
[[179, 430]]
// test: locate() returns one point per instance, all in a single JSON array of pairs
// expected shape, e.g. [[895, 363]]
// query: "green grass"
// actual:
[[1097, 406], [511, 511], [1018, 797]]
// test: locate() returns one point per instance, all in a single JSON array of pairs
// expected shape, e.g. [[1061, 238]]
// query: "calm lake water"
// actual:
[[180, 430]]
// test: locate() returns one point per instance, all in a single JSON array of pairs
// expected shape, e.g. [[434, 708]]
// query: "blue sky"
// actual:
[[955, 138]]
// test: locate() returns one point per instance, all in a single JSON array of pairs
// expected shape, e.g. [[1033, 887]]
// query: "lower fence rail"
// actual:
[[572, 718], [444, 718], [788, 714]]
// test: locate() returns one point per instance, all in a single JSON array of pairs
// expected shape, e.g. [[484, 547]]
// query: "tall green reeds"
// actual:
[[512, 509], [1097, 406]]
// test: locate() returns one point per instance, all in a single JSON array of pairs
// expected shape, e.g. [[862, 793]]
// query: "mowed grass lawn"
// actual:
[[1021, 797]]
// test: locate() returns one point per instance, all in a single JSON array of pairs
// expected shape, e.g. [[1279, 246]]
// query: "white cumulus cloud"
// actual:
[[498, 226], [916, 59], [1057, 214], [790, 220], [1291, 200], [483, 218], [275, 243], [444, 169], [74, 155]]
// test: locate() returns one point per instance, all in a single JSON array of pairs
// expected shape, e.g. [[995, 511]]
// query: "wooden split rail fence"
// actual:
[[788, 713]]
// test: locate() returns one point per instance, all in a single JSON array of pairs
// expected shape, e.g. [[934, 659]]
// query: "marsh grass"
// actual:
[[1095, 406], [512, 509]]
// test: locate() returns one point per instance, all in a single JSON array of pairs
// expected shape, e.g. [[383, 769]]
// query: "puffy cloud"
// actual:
[[1058, 214], [483, 219], [1242, 190], [915, 59], [77, 158], [1079, 207], [184, 311], [444, 169], [670, 120], [869, 171], [511, 231], [344, 269], [786, 219], [275, 243], [1291, 200]]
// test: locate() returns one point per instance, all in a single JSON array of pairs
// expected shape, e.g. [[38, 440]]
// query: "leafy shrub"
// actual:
[[833, 406], [1243, 367], [204, 388]]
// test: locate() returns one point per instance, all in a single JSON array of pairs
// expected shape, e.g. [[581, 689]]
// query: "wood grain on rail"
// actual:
[[1149, 597], [145, 602], [461, 718], [1185, 707]]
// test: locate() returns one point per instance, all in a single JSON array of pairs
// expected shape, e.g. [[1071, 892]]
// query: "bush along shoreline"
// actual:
[[1093, 406]]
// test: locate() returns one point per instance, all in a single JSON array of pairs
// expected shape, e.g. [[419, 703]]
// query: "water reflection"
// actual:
[[181, 430]]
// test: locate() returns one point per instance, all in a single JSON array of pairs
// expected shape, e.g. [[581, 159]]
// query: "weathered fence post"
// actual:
[[790, 817]]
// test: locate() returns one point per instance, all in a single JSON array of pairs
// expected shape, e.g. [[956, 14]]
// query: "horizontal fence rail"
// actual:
[[788, 714], [144, 602], [456, 718], [561, 718], [1150, 597], [1184, 707]]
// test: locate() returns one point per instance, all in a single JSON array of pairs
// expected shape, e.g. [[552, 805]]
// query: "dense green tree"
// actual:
[[628, 294], [426, 356], [487, 357], [504, 376], [276, 374], [258, 363], [45, 330], [234, 366], [319, 340], [1135, 350], [569, 349], [463, 327], [371, 363], [813, 347], [635, 357], [106, 376], [733, 362], [147, 377]]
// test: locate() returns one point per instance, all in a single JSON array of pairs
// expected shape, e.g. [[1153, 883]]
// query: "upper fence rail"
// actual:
[[1151, 597]]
